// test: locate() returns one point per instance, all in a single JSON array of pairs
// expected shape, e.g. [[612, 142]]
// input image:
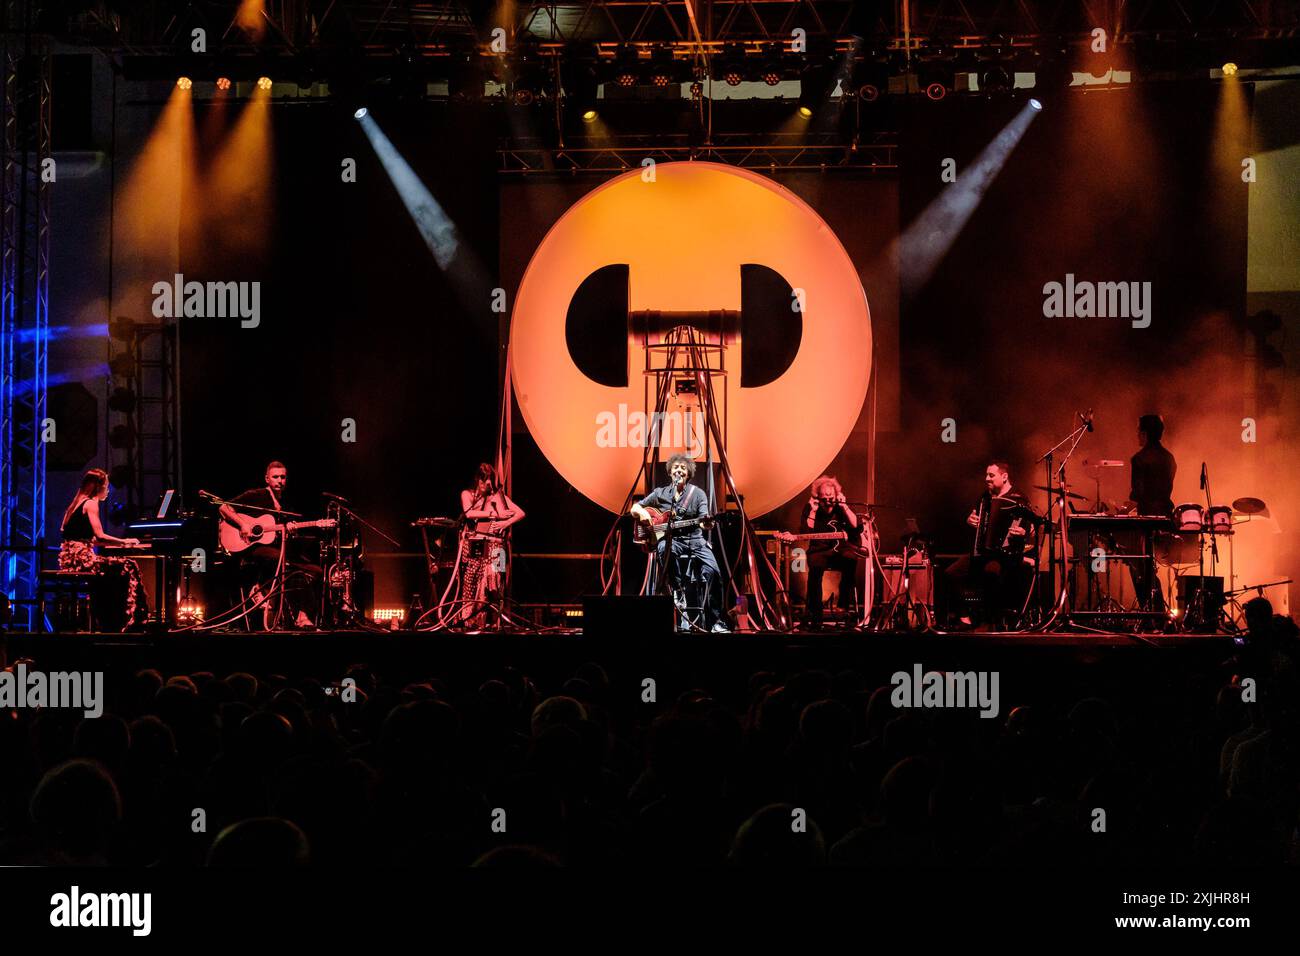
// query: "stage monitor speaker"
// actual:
[[627, 615]]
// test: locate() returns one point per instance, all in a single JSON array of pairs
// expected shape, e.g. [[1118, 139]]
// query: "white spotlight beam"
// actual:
[[436, 228], [927, 240]]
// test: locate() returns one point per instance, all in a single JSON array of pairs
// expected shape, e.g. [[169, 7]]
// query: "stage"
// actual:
[[468, 435], [1031, 663]]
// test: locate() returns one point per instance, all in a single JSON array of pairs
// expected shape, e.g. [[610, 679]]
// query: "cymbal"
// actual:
[[1249, 506], [1068, 494]]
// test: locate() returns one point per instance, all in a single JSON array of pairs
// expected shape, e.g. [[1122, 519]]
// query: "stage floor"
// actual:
[[327, 652]]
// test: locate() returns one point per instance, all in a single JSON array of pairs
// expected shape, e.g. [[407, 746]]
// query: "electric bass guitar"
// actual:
[[648, 534], [835, 534], [234, 539], [791, 538]]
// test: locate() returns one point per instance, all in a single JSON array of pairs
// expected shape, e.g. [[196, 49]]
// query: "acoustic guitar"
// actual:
[[648, 534], [234, 539]]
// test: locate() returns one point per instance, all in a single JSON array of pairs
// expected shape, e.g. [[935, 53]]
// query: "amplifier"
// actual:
[[920, 579]]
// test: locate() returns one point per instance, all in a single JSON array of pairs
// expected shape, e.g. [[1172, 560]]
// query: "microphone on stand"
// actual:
[[1086, 419], [1204, 476]]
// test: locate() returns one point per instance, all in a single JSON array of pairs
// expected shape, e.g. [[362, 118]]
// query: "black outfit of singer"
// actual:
[[694, 566], [257, 564], [822, 557], [1153, 470], [1000, 576]]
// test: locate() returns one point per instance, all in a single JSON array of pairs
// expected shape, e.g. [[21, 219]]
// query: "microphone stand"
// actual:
[[670, 567], [213, 499], [1053, 491]]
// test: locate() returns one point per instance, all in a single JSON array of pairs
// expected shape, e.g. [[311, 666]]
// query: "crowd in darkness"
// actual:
[[816, 768]]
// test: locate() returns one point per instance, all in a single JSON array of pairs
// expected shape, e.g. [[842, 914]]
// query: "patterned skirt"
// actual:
[[482, 577], [80, 556]]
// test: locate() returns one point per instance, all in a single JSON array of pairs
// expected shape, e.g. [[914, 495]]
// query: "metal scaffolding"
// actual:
[[382, 26], [24, 307], [147, 456], [790, 152]]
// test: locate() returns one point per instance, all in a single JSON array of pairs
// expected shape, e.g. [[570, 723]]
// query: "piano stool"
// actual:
[[70, 591]]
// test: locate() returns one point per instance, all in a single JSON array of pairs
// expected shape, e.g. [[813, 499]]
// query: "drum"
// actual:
[[1189, 517], [1220, 519]]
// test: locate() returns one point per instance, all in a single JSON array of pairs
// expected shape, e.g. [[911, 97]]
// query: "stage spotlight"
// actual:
[[122, 400], [1229, 69], [935, 80], [815, 87], [223, 83], [263, 82], [1036, 104], [589, 116], [871, 78], [122, 328], [360, 113], [184, 82], [662, 67], [581, 86], [733, 64], [439, 232], [626, 65], [122, 365], [925, 242], [995, 81], [524, 96]]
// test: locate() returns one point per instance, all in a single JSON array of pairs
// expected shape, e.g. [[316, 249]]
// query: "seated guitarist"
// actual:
[[258, 564], [828, 512], [693, 565]]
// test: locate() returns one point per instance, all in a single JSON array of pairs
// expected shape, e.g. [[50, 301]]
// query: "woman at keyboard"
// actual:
[[81, 530]]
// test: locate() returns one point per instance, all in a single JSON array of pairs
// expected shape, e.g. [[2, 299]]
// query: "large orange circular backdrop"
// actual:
[[685, 236]]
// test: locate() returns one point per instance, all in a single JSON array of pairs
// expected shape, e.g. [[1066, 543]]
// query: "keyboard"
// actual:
[[1111, 523]]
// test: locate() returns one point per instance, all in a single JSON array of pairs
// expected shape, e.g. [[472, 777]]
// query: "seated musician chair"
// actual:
[[69, 594]]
